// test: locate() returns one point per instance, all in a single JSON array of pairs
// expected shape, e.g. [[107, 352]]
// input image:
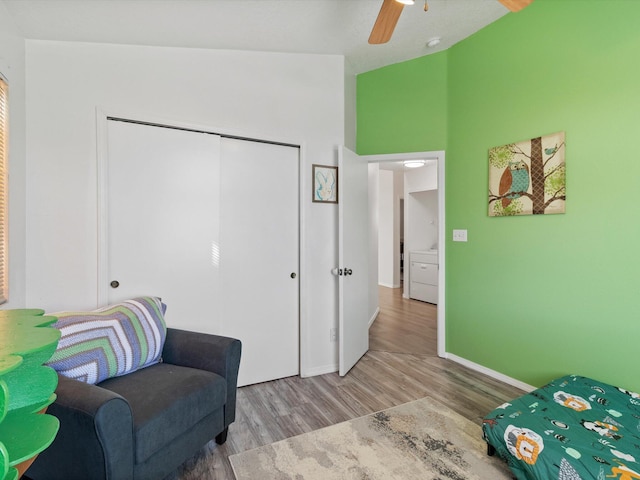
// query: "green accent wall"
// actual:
[[533, 297], [403, 108]]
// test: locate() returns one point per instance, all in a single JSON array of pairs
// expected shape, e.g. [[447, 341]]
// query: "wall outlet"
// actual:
[[333, 335], [459, 235]]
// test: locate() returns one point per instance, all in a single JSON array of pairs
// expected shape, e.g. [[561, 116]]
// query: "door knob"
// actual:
[[348, 271], [115, 284], [293, 275]]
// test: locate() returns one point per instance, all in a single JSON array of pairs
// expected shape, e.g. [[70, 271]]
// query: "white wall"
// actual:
[[398, 224], [350, 116], [386, 231], [284, 97], [423, 178], [423, 221], [390, 192], [12, 66]]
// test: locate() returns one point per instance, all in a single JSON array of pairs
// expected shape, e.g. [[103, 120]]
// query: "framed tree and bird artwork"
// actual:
[[528, 177]]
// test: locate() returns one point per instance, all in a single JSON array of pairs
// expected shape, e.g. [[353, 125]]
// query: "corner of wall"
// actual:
[[350, 115]]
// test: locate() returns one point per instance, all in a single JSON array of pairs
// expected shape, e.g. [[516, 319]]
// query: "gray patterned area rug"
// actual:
[[422, 440]]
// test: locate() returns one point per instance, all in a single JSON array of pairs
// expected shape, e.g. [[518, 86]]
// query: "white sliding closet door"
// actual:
[[162, 209], [260, 256], [211, 226]]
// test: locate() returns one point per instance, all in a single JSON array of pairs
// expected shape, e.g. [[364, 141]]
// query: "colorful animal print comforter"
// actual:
[[573, 428]]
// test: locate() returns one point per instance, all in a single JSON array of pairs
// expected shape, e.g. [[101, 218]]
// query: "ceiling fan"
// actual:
[[391, 9]]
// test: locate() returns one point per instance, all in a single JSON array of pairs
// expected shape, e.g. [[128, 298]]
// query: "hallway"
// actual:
[[404, 325]]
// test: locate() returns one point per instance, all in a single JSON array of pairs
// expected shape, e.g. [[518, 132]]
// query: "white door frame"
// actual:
[[102, 117], [439, 156]]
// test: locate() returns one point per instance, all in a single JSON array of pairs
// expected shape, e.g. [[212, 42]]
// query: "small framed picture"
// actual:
[[325, 184]]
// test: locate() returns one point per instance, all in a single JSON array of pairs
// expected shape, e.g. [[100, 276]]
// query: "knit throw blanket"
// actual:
[[111, 341]]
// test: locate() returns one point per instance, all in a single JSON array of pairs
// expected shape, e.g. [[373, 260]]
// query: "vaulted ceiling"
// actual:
[[336, 27]]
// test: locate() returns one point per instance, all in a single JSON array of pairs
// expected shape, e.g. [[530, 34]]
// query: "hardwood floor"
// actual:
[[401, 366], [404, 326]]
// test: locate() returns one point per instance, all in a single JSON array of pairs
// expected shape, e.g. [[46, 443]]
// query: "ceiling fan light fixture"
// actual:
[[406, 2], [414, 163]]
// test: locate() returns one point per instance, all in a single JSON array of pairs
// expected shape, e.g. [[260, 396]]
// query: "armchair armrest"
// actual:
[[214, 353], [95, 439]]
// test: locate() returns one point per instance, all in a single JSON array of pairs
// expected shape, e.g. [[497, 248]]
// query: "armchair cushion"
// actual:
[[160, 414], [111, 341]]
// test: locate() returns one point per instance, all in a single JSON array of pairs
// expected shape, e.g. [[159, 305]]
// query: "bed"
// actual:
[[573, 428]]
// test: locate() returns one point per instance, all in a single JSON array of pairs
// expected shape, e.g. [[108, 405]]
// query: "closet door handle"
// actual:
[[115, 284]]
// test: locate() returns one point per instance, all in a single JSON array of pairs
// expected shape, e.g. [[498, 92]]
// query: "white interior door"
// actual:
[[259, 256], [162, 220], [353, 256]]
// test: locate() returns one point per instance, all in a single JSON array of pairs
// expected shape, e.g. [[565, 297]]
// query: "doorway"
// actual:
[[425, 200]]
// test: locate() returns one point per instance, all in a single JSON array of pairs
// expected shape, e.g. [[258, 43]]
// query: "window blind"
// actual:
[[4, 160]]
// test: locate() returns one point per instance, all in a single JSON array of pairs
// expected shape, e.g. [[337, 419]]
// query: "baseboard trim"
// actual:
[[490, 373], [322, 370], [387, 285], [374, 316]]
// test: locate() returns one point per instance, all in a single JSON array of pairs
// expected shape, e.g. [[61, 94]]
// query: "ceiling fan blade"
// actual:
[[386, 22], [515, 5]]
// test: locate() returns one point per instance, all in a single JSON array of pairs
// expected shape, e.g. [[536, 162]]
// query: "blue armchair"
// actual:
[[145, 424]]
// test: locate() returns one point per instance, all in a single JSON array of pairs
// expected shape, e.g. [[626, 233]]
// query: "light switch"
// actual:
[[459, 235]]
